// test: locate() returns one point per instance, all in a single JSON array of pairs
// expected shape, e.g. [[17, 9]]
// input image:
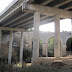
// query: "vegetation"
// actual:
[[51, 47], [38, 69], [69, 44], [53, 67], [4, 54], [27, 55]]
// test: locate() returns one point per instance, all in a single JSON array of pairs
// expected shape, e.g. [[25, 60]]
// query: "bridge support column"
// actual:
[[35, 54], [0, 37], [57, 37], [71, 26], [45, 50], [10, 47], [21, 48], [63, 50]]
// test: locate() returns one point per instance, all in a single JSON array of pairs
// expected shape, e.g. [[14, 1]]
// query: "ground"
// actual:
[[55, 66]]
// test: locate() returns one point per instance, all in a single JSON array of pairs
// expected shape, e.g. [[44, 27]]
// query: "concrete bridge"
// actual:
[[25, 14], [44, 36]]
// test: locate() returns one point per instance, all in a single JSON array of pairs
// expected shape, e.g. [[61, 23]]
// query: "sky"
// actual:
[[6, 4], [65, 25]]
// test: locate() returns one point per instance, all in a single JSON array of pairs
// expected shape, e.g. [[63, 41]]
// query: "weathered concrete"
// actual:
[[11, 29], [35, 54], [30, 43], [45, 49], [57, 37], [27, 38], [49, 11], [71, 26], [5, 38], [21, 48], [10, 47], [44, 36], [0, 37], [63, 50]]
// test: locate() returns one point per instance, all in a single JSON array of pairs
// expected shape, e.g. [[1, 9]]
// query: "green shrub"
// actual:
[[51, 47], [28, 60], [68, 44]]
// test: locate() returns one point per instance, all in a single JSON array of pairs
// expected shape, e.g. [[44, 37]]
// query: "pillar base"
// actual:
[[34, 61]]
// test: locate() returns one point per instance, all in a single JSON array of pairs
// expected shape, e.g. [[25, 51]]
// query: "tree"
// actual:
[[69, 44]]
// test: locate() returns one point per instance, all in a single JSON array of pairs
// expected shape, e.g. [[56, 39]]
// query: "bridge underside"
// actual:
[[22, 16]]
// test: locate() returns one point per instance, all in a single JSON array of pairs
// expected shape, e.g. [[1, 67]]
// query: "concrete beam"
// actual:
[[65, 2], [30, 22], [21, 48], [19, 4], [25, 20], [15, 19], [10, 47], [21, 21], [46, 2], [11, 10], [35, 54], [49, 11], [68, 8], [42, 22], [11, 29], [0, 37], [57, 37], [30, 1], [71, 26]]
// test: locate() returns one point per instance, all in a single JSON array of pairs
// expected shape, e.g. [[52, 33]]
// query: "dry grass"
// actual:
[[4, 50]]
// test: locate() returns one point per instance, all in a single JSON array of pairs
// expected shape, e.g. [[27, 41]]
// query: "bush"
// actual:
[[4, 67], [27, 55], [28, 60], [68, 44], [51, 47]]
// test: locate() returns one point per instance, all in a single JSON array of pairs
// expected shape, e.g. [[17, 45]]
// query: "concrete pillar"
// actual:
[[27, 39], [45, 49], [0, 37], [30, 43], [27, 46], [10, 47], [35, 54], [71, 26], [57, 37], [63, 50], [21, 48]]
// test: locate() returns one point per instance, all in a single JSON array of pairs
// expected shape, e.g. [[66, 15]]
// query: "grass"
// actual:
[[36, 68]]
